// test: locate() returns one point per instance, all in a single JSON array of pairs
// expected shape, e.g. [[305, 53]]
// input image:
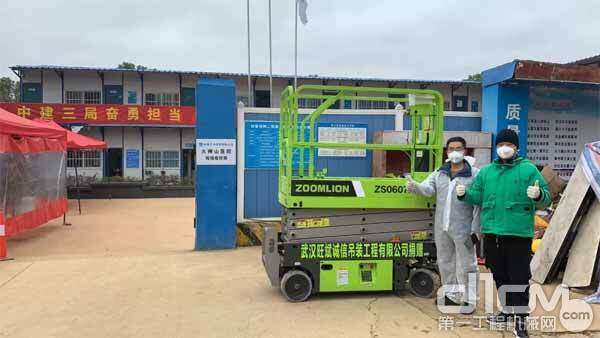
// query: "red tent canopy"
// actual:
[[12, 124], [75, 141], [32, 156]]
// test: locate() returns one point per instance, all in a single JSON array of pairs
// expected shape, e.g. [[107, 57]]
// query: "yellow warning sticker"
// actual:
[[312, 222]]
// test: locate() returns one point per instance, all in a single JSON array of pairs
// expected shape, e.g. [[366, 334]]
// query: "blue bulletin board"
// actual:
[[132, 157], [262, 145]]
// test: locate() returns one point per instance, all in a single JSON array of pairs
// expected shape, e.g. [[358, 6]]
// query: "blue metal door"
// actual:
[[113, 94], [32, 92]]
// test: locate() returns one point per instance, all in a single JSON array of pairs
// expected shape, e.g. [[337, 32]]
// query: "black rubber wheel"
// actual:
[[296, 286], [423, 283]]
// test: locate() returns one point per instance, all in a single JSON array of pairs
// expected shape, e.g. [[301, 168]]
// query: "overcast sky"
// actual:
[[376, 38]]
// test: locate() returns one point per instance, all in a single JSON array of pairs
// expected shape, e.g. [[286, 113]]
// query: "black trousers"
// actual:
[[508, 258]]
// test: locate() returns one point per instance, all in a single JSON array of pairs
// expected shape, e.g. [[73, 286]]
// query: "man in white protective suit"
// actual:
[[456, 229]]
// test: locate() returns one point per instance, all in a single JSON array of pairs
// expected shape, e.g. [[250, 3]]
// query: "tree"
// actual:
[[9, 90], [474, 77], [126, 65], [18, 92], [131, 65]]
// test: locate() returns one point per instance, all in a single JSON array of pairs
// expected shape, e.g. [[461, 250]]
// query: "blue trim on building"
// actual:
[[489, 120], [498, 74]]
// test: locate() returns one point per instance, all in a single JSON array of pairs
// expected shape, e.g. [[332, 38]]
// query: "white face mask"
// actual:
[[505, 152], [456, 156]]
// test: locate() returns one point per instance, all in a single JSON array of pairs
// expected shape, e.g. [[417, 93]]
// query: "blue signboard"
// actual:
[[262, 145], [512, 112], [132, 158]]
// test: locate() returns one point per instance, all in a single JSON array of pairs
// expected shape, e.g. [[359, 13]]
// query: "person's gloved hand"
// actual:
[[411, 185], [533, 191], [460, 190]]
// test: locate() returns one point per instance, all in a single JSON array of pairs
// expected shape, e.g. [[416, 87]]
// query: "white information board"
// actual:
[[554, 141], [561, 122], [342, 133], [215, 151]]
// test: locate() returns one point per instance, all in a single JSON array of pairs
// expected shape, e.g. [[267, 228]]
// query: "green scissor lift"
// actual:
[[353, 233]]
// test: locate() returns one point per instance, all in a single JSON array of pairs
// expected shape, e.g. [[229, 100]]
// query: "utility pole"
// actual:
[[296, 45], [250, 99], [270, 60]]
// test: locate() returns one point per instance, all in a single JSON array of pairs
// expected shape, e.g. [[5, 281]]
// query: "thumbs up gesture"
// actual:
[[411, 185], [533, 191], [460, 190]]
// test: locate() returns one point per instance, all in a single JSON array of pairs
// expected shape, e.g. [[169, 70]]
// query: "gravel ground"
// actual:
[[125, 268]]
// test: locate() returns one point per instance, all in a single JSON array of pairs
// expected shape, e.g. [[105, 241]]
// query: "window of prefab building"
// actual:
[[170, 99], [162, 159], [74, 159], [262, 98], [91, 97], [308, 103], [73, 97], [91, 158], [459, 103], [151, 99], [82, 97], [170, 159], [84, 159], [363, 104], [153, 159], [379, 105], [162, 99]]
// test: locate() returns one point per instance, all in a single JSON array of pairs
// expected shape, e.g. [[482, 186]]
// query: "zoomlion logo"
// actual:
[[327, 188], [336, 188]]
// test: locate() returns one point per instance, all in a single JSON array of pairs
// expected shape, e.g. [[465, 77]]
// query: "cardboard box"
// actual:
[[555, 183]]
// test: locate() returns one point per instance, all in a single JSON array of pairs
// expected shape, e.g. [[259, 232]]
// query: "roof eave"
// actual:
[[158, 71]]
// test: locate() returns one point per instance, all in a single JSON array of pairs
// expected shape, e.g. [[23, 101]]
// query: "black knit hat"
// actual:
[[508, 135]]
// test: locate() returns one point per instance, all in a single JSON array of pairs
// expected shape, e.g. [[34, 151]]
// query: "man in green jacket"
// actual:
[[509, 190]]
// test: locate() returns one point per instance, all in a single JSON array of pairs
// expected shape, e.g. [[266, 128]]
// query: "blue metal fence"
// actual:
[[260, 184]]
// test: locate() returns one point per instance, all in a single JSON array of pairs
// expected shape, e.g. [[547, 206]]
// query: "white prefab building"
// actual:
[[140, 150]]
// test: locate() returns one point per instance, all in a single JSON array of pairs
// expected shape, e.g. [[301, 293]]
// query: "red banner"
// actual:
[[105, 113]]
